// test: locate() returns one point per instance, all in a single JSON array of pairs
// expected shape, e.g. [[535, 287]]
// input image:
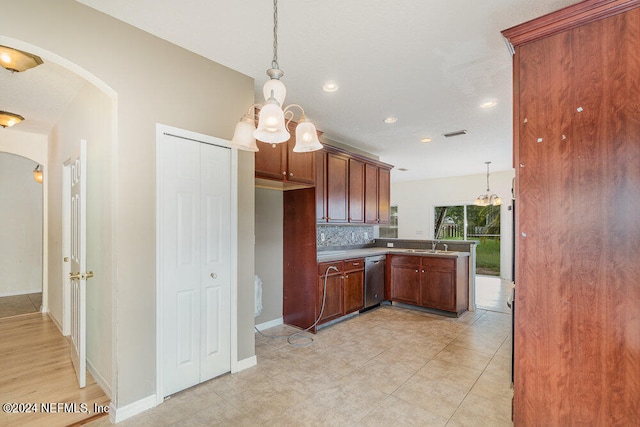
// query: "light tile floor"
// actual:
[[492, 293], [17, 305], [389, 366]]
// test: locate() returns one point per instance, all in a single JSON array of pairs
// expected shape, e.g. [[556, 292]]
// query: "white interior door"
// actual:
[[194, 246], [78, 253]]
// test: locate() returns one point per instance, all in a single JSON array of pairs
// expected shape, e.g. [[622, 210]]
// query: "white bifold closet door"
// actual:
[[195, 242]]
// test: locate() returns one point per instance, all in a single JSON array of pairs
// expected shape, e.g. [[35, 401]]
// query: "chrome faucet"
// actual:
[[445, 247], [433, 245]]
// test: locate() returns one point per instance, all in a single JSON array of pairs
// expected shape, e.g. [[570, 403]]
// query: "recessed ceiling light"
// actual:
[[489, 104], [426, 140], [330, 86], [390, 120], [403, 169]]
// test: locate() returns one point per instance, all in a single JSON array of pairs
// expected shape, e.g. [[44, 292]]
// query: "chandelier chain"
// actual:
[[274, 62]]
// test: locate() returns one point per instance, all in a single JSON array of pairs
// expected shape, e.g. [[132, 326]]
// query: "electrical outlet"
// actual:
[[322, 237], [389, 245]]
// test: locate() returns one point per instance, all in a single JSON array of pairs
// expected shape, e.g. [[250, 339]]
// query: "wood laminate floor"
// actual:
[[36, 371]]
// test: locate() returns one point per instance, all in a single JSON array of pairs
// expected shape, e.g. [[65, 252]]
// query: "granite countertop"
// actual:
[[336, 255]]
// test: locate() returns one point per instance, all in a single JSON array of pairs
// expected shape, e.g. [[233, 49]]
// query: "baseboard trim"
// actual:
[[243, 364], [20, 292], [117, 415], [100, 380], [270, 324]]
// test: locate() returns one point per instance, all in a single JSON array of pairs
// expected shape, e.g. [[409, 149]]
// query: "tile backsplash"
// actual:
[[343, 235]]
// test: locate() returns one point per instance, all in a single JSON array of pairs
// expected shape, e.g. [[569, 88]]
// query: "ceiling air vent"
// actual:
[[456, 133]]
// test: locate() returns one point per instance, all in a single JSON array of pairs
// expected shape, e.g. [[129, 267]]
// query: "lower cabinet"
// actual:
[[432, 282], [344, 288]]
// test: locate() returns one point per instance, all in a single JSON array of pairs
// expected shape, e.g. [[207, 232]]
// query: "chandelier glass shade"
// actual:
[[487, 199], [37, 174], [271, 126]]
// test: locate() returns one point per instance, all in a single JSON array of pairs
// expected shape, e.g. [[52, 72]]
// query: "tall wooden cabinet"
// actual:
[[577, 189]]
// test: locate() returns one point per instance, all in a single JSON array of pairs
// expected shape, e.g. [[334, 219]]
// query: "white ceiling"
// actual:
[[429, 63]]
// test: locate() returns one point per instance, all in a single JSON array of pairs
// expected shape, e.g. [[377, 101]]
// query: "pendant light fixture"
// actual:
[[271, 120], [9, 119], [486, 199], [37, 174], [16, 60]]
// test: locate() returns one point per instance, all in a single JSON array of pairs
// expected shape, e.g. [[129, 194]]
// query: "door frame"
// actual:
[[201, 138]]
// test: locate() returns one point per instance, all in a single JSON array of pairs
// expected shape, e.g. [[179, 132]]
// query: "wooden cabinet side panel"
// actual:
[[577, 303], [299, 258]]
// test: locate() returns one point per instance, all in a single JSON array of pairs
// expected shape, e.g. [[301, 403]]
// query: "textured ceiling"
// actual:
[[429, 63]]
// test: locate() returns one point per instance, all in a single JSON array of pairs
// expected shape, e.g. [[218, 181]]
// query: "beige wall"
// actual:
[[188, 92], [20, 227], [269, 232], [416, 201], [88, 117]]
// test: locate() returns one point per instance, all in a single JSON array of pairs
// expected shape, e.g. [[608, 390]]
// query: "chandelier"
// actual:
[[271, 120], [9, 119], [486, 199], [16, 60]]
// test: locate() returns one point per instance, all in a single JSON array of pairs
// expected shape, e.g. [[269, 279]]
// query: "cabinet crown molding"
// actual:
[[564, 19]]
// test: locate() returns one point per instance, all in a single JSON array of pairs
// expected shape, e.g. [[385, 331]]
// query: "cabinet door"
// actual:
[[371, 194], [337, 179], [353, 291], [333, 302], [438, 289], [300, 166], [271, 161], [356, 191], [321, 186], [384, 195], [405, 279]]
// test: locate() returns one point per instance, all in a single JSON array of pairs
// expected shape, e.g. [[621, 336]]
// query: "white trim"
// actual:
[[120, 414], [243, 364], [21, 292], [100, 380], [270, 324], [55, 322], [183, 133]]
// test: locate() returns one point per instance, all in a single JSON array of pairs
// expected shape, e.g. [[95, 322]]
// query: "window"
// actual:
[[471, 222]]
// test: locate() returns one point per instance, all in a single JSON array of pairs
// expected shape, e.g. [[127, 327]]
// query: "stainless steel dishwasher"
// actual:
[[374, 280]]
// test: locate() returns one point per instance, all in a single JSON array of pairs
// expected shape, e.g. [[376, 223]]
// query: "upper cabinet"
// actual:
[[351, 188], [278, 162]]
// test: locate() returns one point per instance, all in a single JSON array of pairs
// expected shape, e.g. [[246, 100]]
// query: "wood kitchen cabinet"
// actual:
[[353, 285], [351, 188], [377, 194], [432, 282], [278, 162], [356, 191], [577, 161], [333, 302]]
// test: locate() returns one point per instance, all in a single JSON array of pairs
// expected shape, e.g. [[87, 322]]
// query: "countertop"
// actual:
[[336, 255]]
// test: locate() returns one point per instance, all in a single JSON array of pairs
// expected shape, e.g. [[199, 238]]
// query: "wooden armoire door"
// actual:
[[577, 160]]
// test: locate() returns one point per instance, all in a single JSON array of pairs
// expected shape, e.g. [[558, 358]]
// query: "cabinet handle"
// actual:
[[417, 271], [290, 173], [284, 173], [346, 277]]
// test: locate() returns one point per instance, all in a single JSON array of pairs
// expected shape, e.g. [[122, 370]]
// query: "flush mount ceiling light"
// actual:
[[16, 60], [425, 140], [485, 199], [330, 86], [489, 104], [271, 120], [390, 120], [37, 174], [9, 119]]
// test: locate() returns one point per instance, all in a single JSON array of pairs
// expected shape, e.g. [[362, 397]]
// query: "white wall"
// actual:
[[269, 252], [416, 201], [20, 227]]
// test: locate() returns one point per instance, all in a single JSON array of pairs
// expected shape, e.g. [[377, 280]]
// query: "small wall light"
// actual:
[[37, 174], [16, 60]]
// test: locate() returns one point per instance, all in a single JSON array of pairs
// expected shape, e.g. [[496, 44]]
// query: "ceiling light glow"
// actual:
[[426, 140], [489, 104], [330, 86], [390, 120]]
